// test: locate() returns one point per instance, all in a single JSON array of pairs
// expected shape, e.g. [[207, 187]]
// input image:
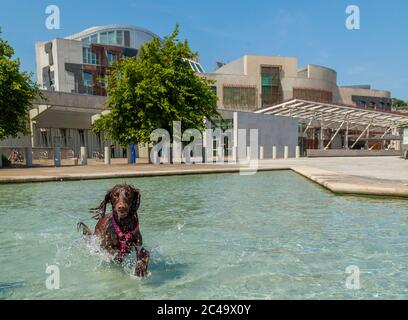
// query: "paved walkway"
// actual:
[[386, 176]]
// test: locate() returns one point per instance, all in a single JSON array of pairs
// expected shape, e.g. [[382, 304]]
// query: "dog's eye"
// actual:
[[116, 195]]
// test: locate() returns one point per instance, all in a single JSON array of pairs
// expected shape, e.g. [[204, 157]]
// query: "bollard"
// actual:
[[129, 155], [286, 152], [297, 152], [57, 156], [261, 153], [29, 156], [1, 160], [274, 152], [83, 157], [248, 150], [107, 155]]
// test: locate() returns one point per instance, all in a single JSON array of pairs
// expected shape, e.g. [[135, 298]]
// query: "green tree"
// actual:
[[17, 92], [155, 89], [398, 103]]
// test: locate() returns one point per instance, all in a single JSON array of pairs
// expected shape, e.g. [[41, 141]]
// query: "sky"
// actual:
[[314, 31]]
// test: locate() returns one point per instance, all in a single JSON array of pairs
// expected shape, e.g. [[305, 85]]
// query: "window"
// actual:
[[271, 86], [312, 95], [87, 78], [85, 40], [195, 66], [44, 137], [89, 57], [200, 69], [81, 137], [111, 57], [111, 37], [119, 37], [52, 77], [63, 133], [239, 96], [103, 38], [94, 38], [214, 89]]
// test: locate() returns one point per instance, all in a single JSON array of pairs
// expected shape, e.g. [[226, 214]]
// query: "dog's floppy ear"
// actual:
[[135, 201], [100, 211]]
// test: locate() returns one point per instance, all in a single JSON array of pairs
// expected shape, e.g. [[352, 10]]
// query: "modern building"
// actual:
[[72, 72], [79, 63], [254, 82], [253, 92]]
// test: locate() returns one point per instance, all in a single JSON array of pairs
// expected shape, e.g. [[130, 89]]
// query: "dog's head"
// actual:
[[125, 201]]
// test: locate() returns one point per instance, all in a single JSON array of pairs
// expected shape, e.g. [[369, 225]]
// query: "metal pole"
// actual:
[[359, 137], [332, 138], [346, 139]]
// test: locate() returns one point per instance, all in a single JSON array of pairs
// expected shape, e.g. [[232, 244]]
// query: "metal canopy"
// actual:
[[331, 113]]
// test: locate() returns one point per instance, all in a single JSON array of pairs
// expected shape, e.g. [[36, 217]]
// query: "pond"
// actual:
[[272, 235]]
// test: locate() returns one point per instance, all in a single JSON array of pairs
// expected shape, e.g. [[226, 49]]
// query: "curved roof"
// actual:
[[93, 30]]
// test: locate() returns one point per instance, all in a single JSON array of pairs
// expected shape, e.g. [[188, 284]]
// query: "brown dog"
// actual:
[[119, 231]]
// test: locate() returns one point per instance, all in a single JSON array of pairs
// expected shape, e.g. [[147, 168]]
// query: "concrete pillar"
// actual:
[[248, 153], [107, 155], [29, 156], [1, 160], [286, 152], [297, 152], [57, 156], [234, 154], [261, 152], [274, 152], [321, 140], [83, 157]]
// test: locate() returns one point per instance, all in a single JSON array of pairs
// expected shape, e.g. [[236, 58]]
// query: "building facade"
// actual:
[[80, 63], [254, 82], [72, 74]]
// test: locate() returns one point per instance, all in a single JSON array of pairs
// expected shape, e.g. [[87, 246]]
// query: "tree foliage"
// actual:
[[17, 92], [399, 103], [155, 89]]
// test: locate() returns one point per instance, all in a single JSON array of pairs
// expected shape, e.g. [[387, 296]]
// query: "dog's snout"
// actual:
[[121, 206]]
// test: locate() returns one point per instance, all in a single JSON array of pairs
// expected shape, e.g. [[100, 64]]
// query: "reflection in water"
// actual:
[[271, 235]]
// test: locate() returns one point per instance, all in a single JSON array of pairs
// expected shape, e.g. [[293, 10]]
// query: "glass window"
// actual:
[[405, 136], [103, 38], [87, 78], [111, 57], [239, 96], [94, 38], [85, 40], [200, 68], [266, 79], [111, 37], [119, 37], [89, 57]]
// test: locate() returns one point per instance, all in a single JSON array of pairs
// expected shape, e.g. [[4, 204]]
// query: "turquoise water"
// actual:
[[273, 235]]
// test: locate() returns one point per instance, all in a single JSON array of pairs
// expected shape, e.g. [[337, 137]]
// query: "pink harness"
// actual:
[[123, 237]]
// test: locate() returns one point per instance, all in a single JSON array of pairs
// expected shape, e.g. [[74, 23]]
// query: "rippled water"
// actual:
[[273, 235]]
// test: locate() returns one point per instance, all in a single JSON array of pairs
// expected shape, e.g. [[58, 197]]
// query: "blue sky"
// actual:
[[314, 31]]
